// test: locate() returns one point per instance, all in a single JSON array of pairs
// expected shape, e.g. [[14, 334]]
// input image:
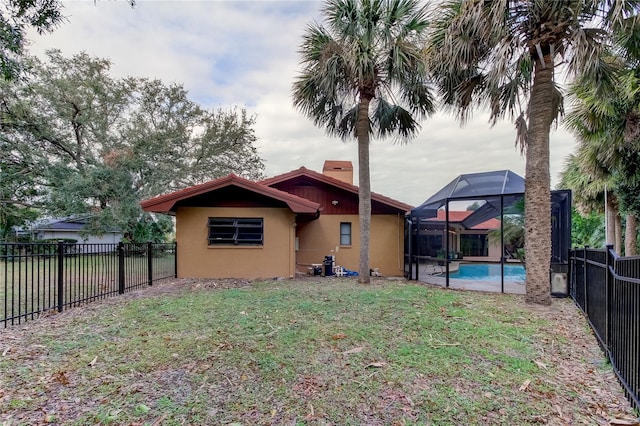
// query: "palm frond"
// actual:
[[369, 49], [390, 119], [498, 42]]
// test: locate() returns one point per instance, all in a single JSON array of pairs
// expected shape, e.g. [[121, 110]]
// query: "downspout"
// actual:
[[292, 249], [400, 254]]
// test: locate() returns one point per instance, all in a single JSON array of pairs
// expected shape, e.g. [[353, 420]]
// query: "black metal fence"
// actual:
[[607, 289], [38, 278]]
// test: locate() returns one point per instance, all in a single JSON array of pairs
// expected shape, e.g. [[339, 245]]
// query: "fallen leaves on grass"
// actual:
[[312, 414], [92, 363], [540, 364], [355, 350], [433, 343], [61, 377], [624, 422], [308, 385]]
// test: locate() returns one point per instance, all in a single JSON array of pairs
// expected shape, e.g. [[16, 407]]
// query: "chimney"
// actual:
[[341, 170]]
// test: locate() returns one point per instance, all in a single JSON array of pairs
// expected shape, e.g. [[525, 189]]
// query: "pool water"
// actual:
[[488, 272]]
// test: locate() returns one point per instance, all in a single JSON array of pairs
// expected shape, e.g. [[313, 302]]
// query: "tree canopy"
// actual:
[[16, 16], [77, 141]]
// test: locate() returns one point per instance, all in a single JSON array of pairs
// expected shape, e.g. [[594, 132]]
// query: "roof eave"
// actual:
[[166, 203]]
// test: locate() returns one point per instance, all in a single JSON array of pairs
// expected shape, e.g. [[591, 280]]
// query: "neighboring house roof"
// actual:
[[460, 216], [166, 203], [64, 224], [303, 171]]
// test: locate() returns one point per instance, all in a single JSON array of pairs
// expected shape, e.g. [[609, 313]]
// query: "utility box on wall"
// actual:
[[559, 284]]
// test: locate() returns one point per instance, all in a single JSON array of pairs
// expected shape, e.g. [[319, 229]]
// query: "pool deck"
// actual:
[[435, 275]]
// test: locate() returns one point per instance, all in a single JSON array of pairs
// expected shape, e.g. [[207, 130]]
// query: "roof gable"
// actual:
[[167, 203], [337, 183]]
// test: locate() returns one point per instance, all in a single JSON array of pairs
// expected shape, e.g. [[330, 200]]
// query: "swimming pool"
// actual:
[[488, 272]]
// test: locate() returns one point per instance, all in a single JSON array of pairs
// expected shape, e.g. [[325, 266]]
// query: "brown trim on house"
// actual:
[[167, 203], [303, 171]]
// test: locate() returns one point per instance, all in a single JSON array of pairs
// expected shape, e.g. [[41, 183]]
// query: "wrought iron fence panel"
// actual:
[[38, 278], [29, 280], [596, 291], [163, 260], [577, 278], [607, 289]]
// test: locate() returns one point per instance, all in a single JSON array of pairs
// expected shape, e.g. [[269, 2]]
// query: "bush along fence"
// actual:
[[607, 289], [40, 278]]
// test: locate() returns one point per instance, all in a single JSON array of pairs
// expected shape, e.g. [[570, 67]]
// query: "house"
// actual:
[[73, 228], [287, 224], [471, 242]]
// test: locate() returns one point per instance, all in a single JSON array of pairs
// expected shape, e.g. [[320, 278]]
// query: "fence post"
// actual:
[[571, 274], [60, 275], [120, 267], [608, 283], [150, 262], [584, 280]]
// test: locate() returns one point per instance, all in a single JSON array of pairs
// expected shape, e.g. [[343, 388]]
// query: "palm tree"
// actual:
[[502, 55], [592, 174], [606, 124], [363, 75], [589, 180]]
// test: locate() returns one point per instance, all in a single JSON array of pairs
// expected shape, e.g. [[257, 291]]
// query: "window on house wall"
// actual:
[[345, 233], [241, 231]]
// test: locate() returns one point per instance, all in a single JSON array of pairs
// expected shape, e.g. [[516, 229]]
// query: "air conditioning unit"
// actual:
[[559, 287]]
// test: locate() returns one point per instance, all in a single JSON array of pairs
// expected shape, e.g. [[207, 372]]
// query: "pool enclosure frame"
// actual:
[[500, 190]]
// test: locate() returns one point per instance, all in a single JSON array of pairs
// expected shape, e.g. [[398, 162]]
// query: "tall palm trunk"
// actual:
[[630, 232], [611, 213], [617, 244], [364, 187], [537, 184]]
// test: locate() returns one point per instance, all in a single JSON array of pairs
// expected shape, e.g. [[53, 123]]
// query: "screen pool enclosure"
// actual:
[[488, 228]]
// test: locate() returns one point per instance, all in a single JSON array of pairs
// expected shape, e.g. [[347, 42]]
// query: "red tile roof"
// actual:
[[303, 171], [459, 216], [165, 203]]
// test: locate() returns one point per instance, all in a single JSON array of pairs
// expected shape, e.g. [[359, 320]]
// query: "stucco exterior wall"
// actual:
[[196, 259], [321, 238]]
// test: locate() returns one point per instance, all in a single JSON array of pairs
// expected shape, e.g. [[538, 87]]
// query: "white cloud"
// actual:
[[245, 53]]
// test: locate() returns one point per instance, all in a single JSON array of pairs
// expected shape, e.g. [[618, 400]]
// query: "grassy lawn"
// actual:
[[308, 352]]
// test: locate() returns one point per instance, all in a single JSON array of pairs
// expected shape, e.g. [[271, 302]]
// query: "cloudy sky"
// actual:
[[245, 53]]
